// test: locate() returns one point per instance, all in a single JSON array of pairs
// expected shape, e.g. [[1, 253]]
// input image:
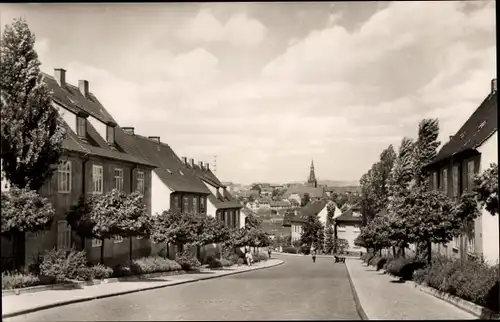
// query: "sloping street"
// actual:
[[298, 289]]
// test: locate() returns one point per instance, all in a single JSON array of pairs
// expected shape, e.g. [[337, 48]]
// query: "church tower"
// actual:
[[312, 182]]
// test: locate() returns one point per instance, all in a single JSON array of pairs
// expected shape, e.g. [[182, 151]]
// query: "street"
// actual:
[[298, 289]]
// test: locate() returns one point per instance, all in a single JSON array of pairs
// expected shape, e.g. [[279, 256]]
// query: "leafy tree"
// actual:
[[433, 218], [486, 188], [329, 231], [256, 187], [425, 148], [375, 234], [294, 203], [31, 129], [112, 214], [305, 200], [23, 210], [312, 232]]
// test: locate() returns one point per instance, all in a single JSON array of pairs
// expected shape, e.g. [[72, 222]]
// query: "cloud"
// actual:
[[238, 30]]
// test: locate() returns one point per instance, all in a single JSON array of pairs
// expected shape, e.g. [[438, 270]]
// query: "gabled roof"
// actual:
[[71, 99], [478, 128], [313, 208], [301, 190], [348, 216], [170, 169]]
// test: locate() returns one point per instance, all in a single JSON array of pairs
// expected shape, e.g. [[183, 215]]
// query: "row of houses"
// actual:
[[347, 224], [100, 155], [470, 151]]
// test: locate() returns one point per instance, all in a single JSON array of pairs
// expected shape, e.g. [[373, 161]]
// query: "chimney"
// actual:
[[60, 76], [192, 162], [493, 85], [83, 86], [451, 137], [184, 159], [128, 130], [154, 138], [207, 166], [201, 165]]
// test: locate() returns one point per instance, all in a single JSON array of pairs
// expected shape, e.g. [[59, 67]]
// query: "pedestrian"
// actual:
[[269, 252], [313, 254]]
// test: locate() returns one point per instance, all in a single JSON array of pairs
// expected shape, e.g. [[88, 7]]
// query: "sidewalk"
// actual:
[[383, 297], [13, 305]]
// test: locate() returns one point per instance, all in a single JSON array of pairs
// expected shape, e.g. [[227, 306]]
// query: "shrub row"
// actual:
[[472, 280], [290, 250], [259, 257], [188, 261], [11, 280], [219, 263]]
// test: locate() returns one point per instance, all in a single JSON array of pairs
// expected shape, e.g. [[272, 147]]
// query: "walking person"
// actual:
[[269, 252], [247, 257], [313, 254]]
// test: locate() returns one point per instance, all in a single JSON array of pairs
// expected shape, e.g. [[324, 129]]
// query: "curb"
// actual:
[[90, 298], [359, 307], [317, 256], [467, 306]]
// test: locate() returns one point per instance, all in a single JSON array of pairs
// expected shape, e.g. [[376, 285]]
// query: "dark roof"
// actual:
[[478, 128], [170, 169], [301, 190], [71, 99], [313, 208], [348, 216]]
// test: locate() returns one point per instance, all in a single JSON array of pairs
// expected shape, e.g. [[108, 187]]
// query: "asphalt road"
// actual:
[[298, 289]]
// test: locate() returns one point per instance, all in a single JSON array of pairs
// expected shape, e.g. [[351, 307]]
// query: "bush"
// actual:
[[11, 280], [101, 272], [471, 280], [218, 263], [240, 261], [381, 262], [146, 265], [65, 264], [259, 257], [188, 261], [290, 250], [366, 257], [373, 260], [405, 267]]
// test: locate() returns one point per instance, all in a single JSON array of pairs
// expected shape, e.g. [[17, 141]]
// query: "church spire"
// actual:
[[312, 176]]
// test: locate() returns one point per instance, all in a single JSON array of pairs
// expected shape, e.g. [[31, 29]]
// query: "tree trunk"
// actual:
[[130, 248], [102, 251], [393, 251], [380, 252], [429, 252], [403, 251], [82, 241]]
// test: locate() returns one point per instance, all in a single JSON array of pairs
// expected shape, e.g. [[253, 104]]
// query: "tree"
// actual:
[[294, 203], [109, 215], [256, 187], [305, 200], [31, 129], [433, 218], [329, 231], [486, 188], [341, 245], [23, 210], [312, 233], [425, 148]]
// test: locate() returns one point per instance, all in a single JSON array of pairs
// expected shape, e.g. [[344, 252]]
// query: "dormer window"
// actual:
[[81, 126], [110, 133], [483, 123]]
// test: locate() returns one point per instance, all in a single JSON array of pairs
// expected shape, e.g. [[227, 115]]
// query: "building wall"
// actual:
[[349, 232], [81, 182], [160, 195], [323, 214], [489, 223]]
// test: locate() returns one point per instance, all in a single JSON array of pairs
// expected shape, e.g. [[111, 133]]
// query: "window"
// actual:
[[341, 228], [202, 204], [64, 177], [97, 179], [117, 239], [471, 247], [140, 181], [96, 242], [470, 174], [110, 134], [63, 234], [81, 126], [176, 202], [434, 180], [185, 204], [454, 183], [445, 181], [119, 179], [195, 205]]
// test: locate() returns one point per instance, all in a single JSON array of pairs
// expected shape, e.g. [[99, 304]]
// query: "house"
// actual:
[[347, 226], [470, 151], [221, 204], [279, 204], [264, 203], [266, 192], [94, 161], [297, 193]]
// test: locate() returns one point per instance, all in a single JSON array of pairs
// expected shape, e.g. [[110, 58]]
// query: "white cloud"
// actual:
[[238, 30]]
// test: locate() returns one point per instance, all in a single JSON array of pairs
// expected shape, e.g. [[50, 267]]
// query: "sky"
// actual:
[[267, 87]]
